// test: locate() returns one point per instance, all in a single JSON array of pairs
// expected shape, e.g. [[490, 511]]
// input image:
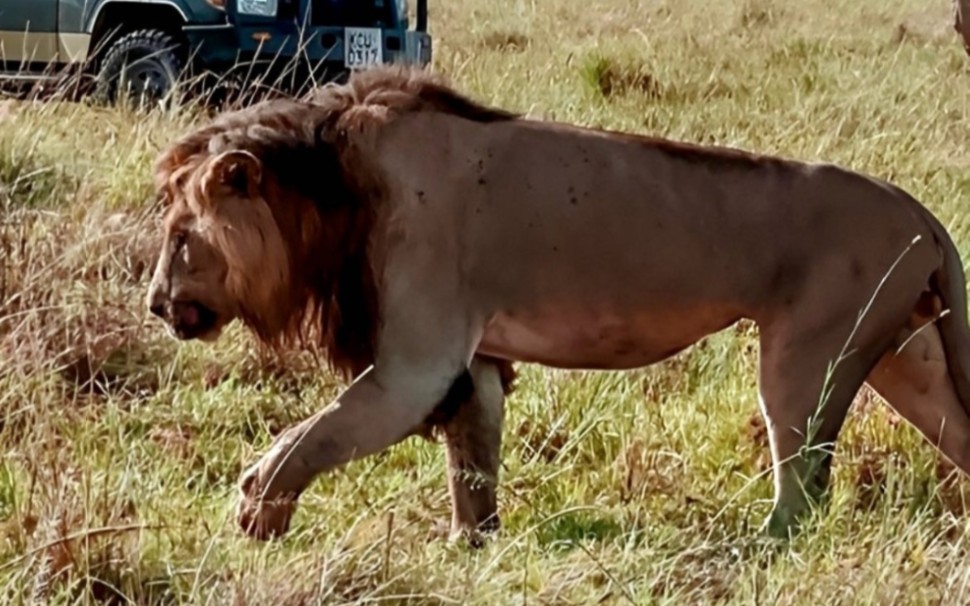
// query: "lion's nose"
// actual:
[[157, 309], [156, 304]]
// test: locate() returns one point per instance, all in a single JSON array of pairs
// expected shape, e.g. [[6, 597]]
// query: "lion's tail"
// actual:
[[949, 284]]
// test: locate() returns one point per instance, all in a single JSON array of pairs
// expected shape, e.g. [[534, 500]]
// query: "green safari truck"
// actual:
[[144, 46]]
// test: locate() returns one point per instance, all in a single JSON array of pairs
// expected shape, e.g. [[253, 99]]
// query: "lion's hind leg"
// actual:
[[473, 437], [806, 390], [915, 381]]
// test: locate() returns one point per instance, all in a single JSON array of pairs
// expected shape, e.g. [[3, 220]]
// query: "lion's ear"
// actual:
[[236, 170]]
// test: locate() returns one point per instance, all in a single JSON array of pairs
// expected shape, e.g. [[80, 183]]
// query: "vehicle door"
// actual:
[[73, 39], [28, 33]]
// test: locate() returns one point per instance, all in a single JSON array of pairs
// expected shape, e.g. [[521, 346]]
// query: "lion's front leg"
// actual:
[[426, 342], [473, 438], [368, 417]]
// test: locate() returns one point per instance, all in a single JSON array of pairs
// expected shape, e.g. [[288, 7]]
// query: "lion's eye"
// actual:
[[178, 241]]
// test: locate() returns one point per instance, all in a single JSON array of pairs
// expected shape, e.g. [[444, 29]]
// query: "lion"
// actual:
[[427, 242], [961, 8]]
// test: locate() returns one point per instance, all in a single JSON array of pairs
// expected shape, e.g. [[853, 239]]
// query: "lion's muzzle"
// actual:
[[187, 319]]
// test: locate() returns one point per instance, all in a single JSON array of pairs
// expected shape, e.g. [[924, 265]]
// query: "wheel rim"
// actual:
[[146, 78]]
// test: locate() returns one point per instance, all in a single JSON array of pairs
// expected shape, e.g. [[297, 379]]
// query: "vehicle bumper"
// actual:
[[222, 47], [219, 45], [213, 45], [417, 48]]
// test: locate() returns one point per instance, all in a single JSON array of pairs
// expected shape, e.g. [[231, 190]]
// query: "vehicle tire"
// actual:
[[145, 64]]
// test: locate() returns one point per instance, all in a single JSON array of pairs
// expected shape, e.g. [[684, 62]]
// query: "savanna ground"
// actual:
[[122, 449]]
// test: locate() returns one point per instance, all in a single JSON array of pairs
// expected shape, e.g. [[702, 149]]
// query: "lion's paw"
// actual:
[[262, 518]]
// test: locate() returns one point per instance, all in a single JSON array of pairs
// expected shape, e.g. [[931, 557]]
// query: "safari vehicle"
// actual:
[[144, 46]]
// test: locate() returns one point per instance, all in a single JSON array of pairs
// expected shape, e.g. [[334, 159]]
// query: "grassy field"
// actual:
[[122, 449]]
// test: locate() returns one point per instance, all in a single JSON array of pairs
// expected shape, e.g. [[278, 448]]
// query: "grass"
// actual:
[[122, 448]]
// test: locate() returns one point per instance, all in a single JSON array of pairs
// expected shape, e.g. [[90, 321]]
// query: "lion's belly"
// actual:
[[600, 341]]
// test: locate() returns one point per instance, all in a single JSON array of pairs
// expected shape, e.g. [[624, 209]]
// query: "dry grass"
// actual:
[[122, 448]]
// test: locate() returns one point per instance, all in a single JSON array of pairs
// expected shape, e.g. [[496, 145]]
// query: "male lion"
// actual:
[[426, 241]]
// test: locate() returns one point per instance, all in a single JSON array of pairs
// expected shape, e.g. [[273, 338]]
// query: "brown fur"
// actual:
[[670, 244], [961, 8], [324, 202], [312, 280]]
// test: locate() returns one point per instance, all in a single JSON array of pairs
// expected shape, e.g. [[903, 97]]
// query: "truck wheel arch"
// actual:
[[115, 18]]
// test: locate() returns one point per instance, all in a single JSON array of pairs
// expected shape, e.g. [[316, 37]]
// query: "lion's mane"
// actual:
[[323, 199]]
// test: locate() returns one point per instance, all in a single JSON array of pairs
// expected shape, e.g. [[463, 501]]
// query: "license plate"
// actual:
[[363, 47]]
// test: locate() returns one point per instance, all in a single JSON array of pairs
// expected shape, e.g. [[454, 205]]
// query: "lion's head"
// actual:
[[264, 224], [223, 256]]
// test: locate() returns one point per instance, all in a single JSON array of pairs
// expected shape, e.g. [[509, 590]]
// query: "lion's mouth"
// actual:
[[192, 320]]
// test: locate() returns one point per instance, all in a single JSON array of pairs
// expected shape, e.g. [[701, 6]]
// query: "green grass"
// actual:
[[122, 448]]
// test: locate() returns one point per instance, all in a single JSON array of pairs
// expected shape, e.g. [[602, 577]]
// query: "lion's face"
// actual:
[[188, 289], [222, 255]]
